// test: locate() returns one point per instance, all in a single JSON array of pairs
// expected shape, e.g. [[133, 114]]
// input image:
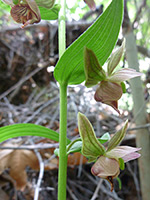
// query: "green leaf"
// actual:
[[117, 138], [100, 38], [104, 138], [18, 130], [50, 14], [91, 147], [94, 73]]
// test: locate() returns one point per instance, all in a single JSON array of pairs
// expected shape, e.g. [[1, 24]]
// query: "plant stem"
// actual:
[[62, 27], [62, 175]]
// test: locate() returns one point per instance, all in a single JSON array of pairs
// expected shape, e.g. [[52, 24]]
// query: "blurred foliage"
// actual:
[[4, 8]]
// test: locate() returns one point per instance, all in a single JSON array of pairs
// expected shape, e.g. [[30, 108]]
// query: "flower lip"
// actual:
[[107, 168], [109, 93]]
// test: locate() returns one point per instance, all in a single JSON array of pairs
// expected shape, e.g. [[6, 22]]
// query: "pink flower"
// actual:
[[108, 166], [109, 89], [108, 161]]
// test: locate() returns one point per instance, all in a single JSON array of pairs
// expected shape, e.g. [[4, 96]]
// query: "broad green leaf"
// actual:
[[91, 147], [118, 137], [94, 73], [100, 38], [50, 14], [18, 130]]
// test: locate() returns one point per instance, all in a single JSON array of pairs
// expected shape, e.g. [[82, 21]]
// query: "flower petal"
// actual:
[[34, 7], [131, 156], [122, 151], [105, 167], [123, 75]]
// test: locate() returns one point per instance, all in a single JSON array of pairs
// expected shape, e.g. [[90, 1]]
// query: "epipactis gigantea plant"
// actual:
[[110, 83], [27, 11], [109, 160]]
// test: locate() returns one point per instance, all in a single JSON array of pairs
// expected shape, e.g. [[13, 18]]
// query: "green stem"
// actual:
[[62, 28], [62, 175]]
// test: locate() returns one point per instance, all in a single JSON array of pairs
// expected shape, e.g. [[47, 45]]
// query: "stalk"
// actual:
[[62, 173], [62, 28]]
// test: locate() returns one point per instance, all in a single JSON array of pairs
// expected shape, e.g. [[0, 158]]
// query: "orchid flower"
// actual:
[[109, 160], [27, 11], [109, 89]]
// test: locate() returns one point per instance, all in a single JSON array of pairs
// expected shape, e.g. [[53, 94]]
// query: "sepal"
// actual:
[[123, 75], [94, 73], [117, 138], [115, 59], [91, 147]]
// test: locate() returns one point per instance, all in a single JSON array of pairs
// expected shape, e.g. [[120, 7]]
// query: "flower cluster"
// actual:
[[109, 160], [110, 83]]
